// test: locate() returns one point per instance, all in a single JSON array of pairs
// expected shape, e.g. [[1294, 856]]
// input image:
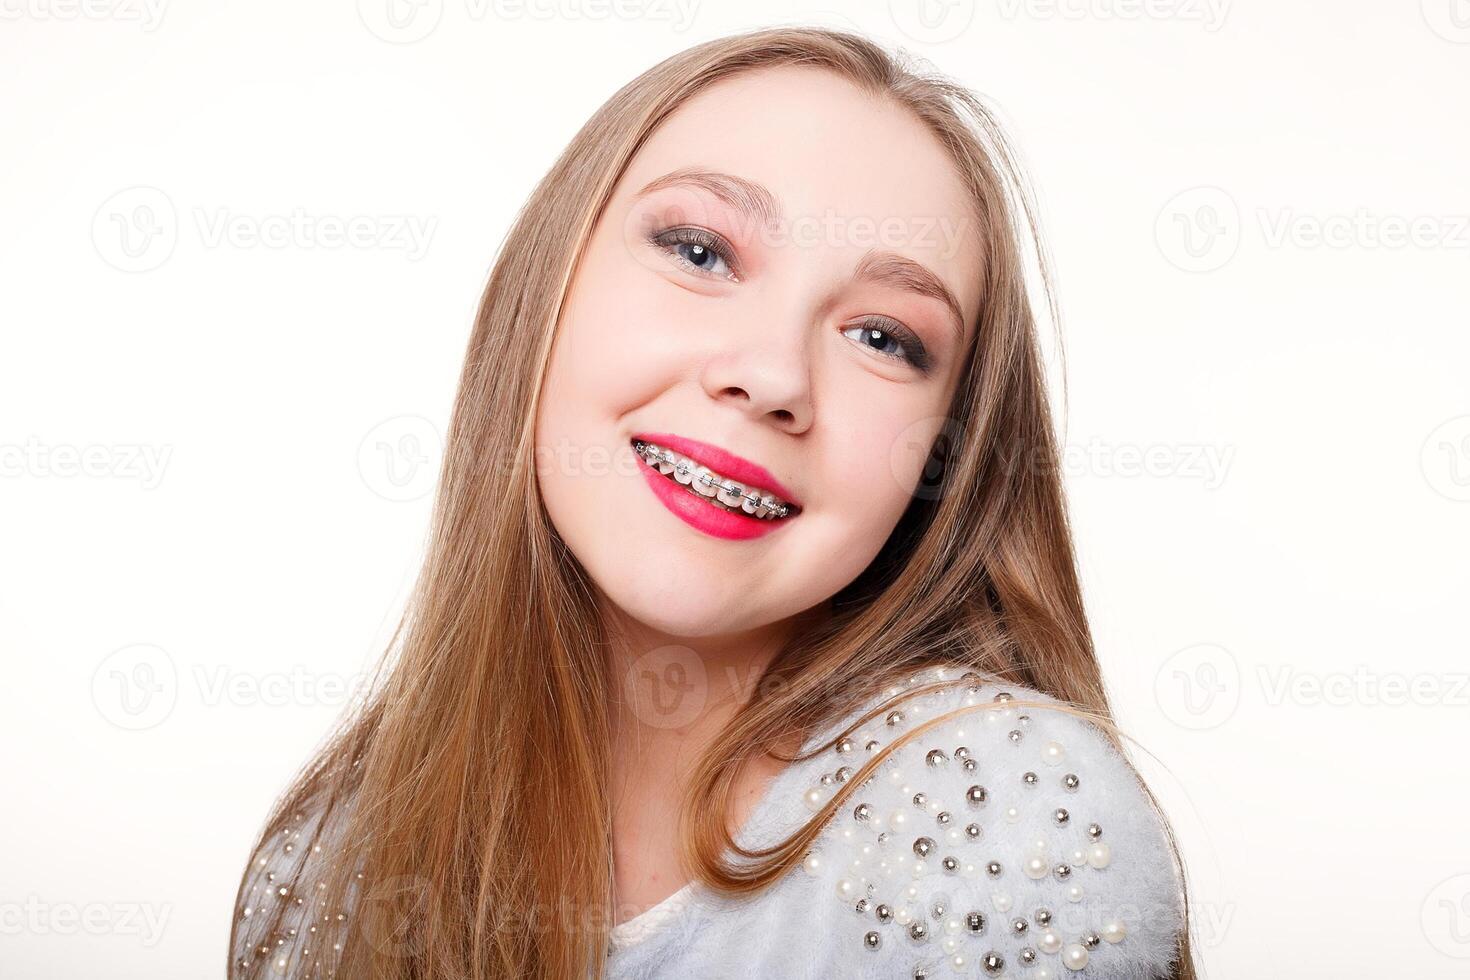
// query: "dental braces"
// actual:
[[730, 487]]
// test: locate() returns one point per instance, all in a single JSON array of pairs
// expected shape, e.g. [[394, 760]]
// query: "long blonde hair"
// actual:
[[472, 780]]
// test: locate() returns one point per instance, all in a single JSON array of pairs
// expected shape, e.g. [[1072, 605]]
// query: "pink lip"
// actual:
[[727, 464]]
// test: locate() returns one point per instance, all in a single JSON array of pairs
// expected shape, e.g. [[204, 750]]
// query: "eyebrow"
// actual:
[[755, 201]]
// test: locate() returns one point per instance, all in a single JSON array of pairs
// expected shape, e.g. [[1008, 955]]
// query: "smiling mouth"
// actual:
[[712, 488]]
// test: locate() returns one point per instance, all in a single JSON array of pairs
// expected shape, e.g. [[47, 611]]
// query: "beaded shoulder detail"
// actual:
[[1009, 840], [287, 873]]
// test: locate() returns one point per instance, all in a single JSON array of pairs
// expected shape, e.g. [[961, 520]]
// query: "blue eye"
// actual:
[[702, 251], [881, 335]]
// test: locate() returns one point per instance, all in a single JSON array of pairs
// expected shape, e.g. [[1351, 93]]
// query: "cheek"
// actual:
[[876, 462]]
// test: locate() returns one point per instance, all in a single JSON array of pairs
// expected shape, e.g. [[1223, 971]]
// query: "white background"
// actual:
[[218, 452]]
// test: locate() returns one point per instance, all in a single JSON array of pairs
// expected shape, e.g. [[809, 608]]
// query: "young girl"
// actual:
[[749, 642]]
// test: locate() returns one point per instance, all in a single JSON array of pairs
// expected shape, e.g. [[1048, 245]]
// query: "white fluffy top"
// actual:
[[1030, 878]]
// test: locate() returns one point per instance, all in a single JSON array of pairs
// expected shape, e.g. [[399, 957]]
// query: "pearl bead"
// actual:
[[1099, 855], [1052, 753], [812, 864], [1074, 957], [1079, 856], [958, 962], [903, 916], [1038, 844], [1036, 868], [1074, 893], [1049, 941], [898, 821], [920, 869], [1113, 931], [1012, 814], [1044, 973], [846, 889], [814, 798], [954, 925], [1001, 901], [950, 944]]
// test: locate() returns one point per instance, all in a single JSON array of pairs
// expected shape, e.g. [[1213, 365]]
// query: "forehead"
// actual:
[[857, 170]]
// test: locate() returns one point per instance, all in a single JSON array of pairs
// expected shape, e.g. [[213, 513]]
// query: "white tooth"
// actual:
[[689, 473], [704, 482]]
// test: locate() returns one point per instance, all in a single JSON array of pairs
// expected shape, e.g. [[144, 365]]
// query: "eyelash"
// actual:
[[669, 239]]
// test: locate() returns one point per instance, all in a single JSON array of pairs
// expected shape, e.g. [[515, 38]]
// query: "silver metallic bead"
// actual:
[[943, 818], [883, 913], [872, 940], [1091, 940], [972, 681], [976, 795], [993, 869], [862, 812], [1019, 926], [975, 922], [1061, 816], [970, 765], [1042, 917], [1070, 782], [924, 846], [1004, 696], [936, 758], [921, 972], [894, 718], [993, 963], [1027, 955], [872, 745], [962, 753], [918, 930], [921, 800], [1014, 735], [1094, 831], [939, 908], [1062, 872], [862, 906], [1030, 778], [950, 865], [844, 745], [843, 774], [828, 779], [972, 831]]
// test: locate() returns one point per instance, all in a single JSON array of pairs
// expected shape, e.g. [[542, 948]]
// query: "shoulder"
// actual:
[[280, 912], [1007, 835]]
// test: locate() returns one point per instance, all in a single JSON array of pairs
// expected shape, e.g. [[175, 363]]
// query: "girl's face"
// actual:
[[788, 272]]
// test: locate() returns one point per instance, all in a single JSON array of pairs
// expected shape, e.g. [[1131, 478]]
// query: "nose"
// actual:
[[767, 377]]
